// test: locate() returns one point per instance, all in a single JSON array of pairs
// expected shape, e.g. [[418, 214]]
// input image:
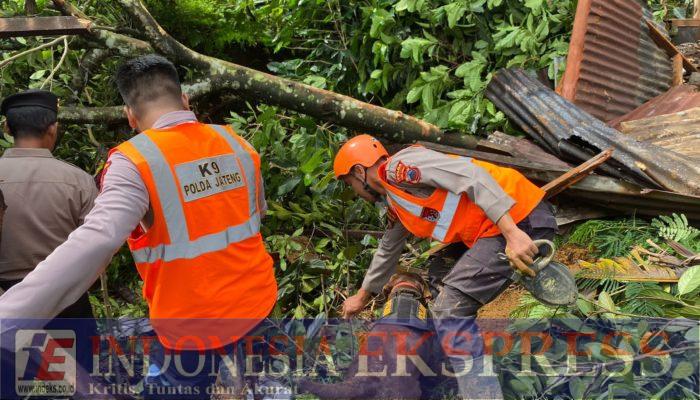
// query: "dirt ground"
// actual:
[[503, 305], [571, 254]]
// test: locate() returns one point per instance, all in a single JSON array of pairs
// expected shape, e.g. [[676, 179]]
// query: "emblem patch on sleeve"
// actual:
[[430, 214], [405, 173], [208, 176]]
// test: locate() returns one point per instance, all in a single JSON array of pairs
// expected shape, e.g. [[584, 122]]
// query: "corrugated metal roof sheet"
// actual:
[[573, 134], [679, 132], [679, 98], [614, 65]]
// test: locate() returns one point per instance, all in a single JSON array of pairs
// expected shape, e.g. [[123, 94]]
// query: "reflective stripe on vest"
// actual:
[[447, 213], [248, 167], [203, 245], [165, 187], [449, 208], [181, 246]]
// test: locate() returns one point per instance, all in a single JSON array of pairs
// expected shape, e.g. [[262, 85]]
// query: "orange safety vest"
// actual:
[[203, 261], [450, 217]]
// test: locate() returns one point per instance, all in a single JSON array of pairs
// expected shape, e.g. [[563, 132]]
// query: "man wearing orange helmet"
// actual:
[[451, 199]]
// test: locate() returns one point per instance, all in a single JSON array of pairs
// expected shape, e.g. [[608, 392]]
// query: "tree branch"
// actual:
[[306, 99], [32, 50], [49, 79], [91, 115], [115, 114], [121, 44]]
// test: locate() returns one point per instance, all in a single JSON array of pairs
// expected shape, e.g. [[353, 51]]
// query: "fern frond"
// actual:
[[675, 227]]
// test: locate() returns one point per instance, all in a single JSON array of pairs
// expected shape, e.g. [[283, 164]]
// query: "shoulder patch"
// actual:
[[430, 214], [405, 173]]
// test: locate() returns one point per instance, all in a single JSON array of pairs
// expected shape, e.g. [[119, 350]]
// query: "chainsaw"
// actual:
[[553, 283]]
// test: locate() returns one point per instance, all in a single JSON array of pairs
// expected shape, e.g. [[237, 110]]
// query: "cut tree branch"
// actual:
[[306, 99]]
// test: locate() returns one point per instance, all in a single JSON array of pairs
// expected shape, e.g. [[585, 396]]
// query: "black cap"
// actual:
[[30, 98]]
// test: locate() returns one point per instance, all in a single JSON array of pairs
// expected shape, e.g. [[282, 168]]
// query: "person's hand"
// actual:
[[355, 304], [520, 251]]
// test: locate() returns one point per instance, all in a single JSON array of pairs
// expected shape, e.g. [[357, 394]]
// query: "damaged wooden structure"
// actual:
[[42, 26], [571, 133]]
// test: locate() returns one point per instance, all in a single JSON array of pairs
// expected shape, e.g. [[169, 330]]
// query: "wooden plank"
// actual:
[[574, 175], [685, 22], [669, 47], [677, 70], [42, 26], [567, 86]]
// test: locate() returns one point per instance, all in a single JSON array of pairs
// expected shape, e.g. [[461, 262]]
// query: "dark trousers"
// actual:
[[192, 374], [479, 275]]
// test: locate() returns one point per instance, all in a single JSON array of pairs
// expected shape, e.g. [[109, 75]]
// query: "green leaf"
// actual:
[[607, 302], [454, 12], [679, 12], [414, 48], [693, 334], [533, 4], [656, 294], [288, 186], [521, 387], [313, 162], [409, 5], [491, 4], [471, 71], [577, 388], [683, 370], [689, 281], [414, 94], [427, 96], [38, 74], [585, 307], [316, 81]]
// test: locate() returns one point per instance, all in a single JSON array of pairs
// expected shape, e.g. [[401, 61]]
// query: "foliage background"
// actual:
[[430, 58]]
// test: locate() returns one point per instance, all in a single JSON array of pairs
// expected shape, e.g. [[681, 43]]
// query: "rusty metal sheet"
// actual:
[[40, 26], [679, 98], [679, 132], [523, 148], [573, 134], [614, 65], [611, 193]]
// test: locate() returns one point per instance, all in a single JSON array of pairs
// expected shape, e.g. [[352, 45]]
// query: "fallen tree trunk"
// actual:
[[259, 86]]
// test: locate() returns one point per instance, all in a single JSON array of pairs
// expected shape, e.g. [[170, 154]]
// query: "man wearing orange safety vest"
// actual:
[[188, 197], [451, 199]]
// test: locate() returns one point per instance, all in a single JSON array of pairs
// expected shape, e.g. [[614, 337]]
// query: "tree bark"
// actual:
[[30, 7], [259, 86], [94, 115]]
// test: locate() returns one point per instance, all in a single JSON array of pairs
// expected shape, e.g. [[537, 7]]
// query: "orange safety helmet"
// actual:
[[362, 149]]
